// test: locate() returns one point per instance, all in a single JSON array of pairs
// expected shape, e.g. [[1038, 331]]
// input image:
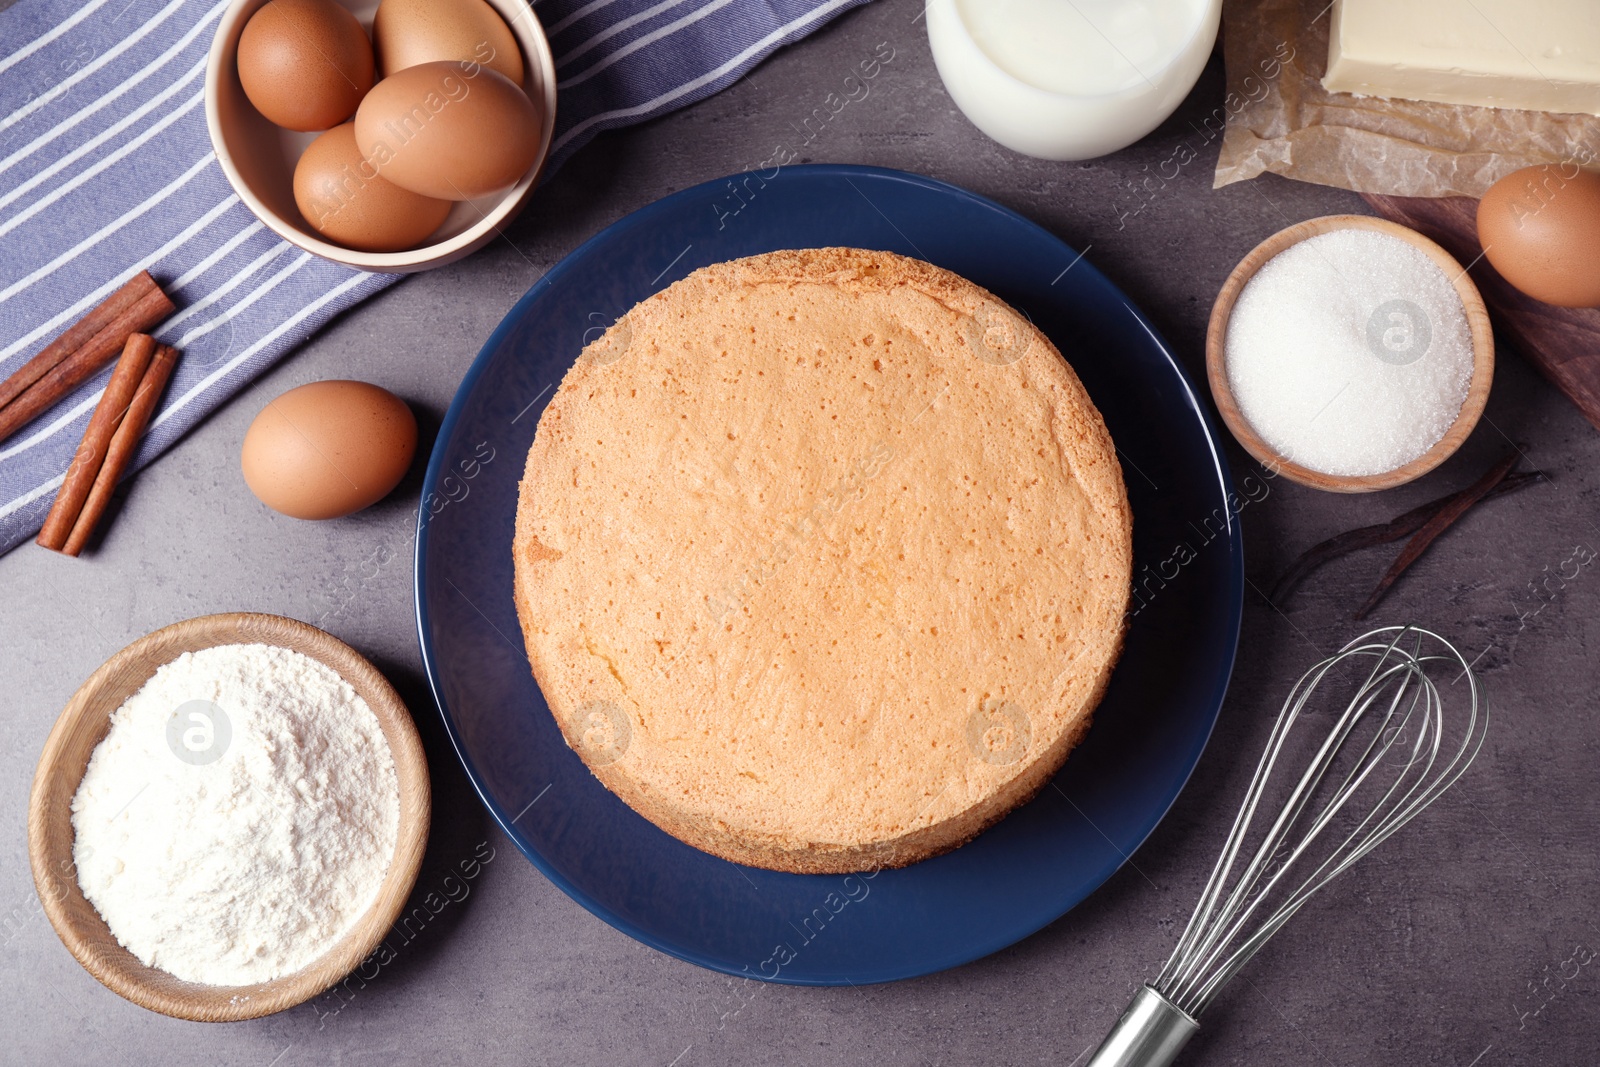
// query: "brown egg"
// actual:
[[343, 199], [328, 448], [408, 32], [1540, 227], [305, 64], [453, 130]]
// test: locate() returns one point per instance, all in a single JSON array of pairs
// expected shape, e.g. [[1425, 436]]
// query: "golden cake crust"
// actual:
[[822, 559]]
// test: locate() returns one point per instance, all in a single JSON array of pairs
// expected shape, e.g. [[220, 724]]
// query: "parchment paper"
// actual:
[[1281, 119]]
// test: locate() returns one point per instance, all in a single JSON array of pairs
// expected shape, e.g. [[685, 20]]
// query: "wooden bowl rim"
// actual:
[[537, 57], [1477, 389], [49, 807]]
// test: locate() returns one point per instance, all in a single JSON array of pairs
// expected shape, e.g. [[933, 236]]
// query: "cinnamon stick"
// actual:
[[91, 453], [124, 443], [76, 336], [1438, 524], [77, 366]]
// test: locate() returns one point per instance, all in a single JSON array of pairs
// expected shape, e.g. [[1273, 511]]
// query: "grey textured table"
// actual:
[[1468, 940]]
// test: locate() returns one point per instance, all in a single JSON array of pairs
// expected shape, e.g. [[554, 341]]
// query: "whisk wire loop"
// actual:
[[1398, 713], [1385, 737], [1396, 717]]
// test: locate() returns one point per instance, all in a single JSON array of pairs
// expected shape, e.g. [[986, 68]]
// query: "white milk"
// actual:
[[1070, 79], [1082, 47]]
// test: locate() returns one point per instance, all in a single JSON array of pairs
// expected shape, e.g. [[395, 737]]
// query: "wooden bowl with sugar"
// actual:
[[1477, 317], [84, 723]]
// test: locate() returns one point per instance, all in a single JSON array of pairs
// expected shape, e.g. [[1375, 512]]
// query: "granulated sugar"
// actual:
[[239, 816], [1350, 352]]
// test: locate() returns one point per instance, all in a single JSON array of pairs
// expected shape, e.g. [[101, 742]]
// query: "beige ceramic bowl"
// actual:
[[1228, 406], [83, 725], [259, 158]]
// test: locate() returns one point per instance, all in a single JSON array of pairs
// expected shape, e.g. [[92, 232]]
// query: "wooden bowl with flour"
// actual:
[[84, 723]]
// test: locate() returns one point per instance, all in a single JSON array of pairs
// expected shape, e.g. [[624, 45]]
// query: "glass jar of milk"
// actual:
[[1070, 79]]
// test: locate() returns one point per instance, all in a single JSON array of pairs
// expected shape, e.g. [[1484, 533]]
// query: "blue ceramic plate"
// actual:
[[830, 929]]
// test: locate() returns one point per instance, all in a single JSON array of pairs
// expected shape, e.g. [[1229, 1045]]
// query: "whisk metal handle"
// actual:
[[1150, 1033]]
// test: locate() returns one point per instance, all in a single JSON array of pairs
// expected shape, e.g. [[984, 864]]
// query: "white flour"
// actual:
[[239, 816]]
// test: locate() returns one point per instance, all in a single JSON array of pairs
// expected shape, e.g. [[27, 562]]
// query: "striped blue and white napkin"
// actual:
[[106, 168]]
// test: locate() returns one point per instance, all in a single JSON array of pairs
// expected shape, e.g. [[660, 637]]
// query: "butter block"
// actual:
[[1539, 55]]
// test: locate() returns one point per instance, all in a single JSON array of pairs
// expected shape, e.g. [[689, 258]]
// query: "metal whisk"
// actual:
[[1388, 755]]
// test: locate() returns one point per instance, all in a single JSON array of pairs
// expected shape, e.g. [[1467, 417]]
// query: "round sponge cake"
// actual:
[[822, 559]]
